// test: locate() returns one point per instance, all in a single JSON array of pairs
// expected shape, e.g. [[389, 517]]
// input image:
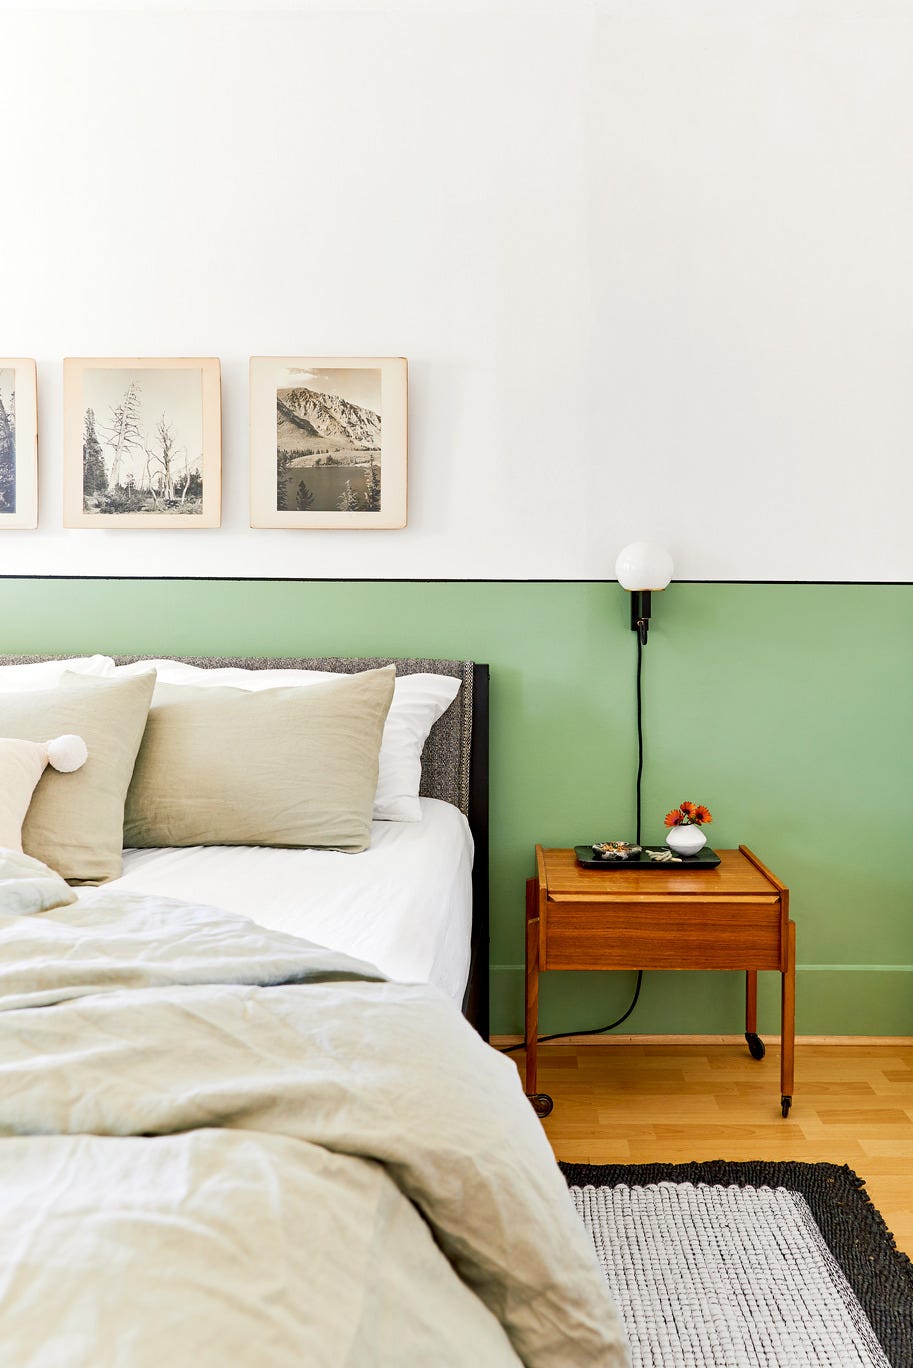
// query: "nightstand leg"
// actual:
[[751, 1002], [788, 1020], [532, 983], [752, 1039]]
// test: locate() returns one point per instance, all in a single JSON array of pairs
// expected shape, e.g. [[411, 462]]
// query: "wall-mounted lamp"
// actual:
[[642, 568]]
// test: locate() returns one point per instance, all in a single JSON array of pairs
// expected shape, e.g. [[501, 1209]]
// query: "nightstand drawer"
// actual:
[[663, 934]]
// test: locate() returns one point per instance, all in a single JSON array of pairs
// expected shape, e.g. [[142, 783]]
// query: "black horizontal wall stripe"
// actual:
[[394, 579]]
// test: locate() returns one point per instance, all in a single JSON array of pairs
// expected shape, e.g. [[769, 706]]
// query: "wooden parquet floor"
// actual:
[[637, 1104]]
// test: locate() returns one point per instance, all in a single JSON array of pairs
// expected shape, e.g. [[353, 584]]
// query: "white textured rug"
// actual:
[[725, 1277]]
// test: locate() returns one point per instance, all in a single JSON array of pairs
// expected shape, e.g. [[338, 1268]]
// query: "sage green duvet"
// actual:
[[225, 1146]]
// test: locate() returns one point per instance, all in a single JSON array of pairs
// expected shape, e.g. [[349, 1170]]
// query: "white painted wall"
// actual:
[[653, 273]]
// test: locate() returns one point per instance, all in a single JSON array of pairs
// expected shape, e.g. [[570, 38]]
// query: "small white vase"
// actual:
[[686, 840]]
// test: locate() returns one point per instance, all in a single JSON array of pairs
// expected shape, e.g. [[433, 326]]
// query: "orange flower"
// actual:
[[688, 814]]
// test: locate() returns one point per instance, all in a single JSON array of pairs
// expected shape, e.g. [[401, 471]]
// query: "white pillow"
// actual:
[[418, 702], [47, 674]]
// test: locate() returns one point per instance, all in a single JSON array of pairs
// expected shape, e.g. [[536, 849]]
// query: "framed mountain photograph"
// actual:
[[18, 444], [142, 442], [328, 441]]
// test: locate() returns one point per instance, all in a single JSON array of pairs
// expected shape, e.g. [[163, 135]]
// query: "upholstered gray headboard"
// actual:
[[445, 759]]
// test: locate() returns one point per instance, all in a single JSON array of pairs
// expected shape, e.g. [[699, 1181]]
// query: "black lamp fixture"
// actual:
[[643, 568]]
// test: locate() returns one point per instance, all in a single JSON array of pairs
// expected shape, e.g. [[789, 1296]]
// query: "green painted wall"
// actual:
[[785, 708]]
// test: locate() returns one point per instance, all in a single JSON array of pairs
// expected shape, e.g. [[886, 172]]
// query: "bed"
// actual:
[[223, 1142], [435, 922]]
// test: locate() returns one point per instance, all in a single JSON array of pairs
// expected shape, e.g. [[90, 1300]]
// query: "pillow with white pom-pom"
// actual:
[[75, 823], [22, 764]]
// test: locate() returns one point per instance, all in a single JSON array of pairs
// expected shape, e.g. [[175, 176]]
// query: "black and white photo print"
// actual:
[[142, 442], [18, 444], [328, 442]]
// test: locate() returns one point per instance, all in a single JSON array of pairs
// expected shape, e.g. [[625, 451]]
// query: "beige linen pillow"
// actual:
[[75, 821], [418, 701], [274, 767]]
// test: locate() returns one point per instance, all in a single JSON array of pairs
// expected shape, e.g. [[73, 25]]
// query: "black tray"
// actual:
[[704, 859]]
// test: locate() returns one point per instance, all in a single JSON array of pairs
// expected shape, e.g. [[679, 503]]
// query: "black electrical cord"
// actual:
[[640, 731], [601, 1030]]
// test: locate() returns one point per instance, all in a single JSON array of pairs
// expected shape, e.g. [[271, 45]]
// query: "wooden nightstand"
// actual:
[[735, 916]]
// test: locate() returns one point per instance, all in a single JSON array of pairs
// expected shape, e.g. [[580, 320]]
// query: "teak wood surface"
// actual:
[[735, 916]]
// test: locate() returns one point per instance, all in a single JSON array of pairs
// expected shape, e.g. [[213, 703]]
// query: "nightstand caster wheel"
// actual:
[[755, 1046], [542, 1104], [785, 1104]]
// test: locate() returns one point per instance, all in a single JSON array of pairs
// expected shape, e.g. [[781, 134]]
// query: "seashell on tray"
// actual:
[[615, 850]]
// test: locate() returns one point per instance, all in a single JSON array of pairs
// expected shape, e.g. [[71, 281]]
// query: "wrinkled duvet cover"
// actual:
[[221, 1145]]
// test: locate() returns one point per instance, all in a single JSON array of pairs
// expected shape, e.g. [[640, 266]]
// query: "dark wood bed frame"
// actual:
[[476, 1003], [473, 724]]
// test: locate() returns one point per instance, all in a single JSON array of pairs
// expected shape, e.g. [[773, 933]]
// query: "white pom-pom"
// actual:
[[67, 753]]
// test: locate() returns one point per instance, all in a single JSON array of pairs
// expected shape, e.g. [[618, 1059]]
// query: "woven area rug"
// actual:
[[751, 1265]]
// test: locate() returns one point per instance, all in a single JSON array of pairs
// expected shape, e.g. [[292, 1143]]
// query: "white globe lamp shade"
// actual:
[[643, 565]]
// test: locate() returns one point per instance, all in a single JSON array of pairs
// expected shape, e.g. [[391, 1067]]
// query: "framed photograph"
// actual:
[[328, 441], [142, 442], [18, 443]]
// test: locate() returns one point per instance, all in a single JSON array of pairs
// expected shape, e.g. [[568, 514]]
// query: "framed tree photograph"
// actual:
[[18, 443], [142, 442], [328, 441]]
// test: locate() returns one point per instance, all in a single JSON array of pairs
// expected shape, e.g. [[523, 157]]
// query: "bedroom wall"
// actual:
[[785, 708], [650, 266], [649, 263]]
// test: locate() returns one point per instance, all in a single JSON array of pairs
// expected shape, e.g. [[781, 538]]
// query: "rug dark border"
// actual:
[[854, 1230]]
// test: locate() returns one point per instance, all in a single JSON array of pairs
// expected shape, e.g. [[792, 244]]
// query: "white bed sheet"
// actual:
[[404, 905]]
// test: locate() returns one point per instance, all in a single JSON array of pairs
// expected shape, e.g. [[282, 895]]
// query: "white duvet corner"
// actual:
[[27, 885]]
